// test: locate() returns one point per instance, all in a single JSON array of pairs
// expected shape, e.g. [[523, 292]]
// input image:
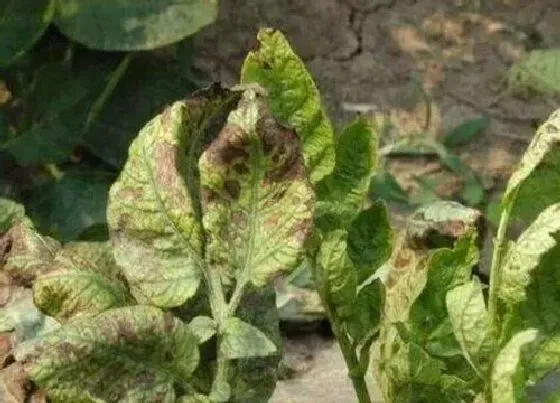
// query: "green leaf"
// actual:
[[535, 184], [28, 255], [127, 25], [524, 257], [508, 382], [539, 70], [67, 208], [294, 99], [370, 240], [153, 210], [79, 283], [256, 199], [471, 324], [10, 213], [363, 324], [411, 364], [335, 276], [22, 23], [473, 191], [150, 84], [90, 359], [341, 194], [242, 340], [203, 327], [466, 132]]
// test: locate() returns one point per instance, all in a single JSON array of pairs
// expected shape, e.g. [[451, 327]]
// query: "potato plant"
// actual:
[[228, 190]]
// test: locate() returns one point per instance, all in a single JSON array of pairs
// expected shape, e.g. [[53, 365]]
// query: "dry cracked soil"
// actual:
[[388, 56]]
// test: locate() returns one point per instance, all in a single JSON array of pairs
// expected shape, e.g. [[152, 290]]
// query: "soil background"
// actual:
[[375, 55]]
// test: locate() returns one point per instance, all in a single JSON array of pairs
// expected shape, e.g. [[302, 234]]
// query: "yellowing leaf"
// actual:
[[539, 70], [294, 98], [242, 340], [256, 199]]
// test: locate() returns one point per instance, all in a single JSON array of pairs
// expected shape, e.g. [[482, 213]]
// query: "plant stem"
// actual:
[[495, 269]]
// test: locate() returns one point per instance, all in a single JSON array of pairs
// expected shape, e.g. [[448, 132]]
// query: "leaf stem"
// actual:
[[495, 269]]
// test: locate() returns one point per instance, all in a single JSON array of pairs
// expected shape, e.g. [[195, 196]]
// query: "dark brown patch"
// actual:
[[126, 330], [166, 175], [302, 229], [241, 168], [231, 145], [232, 188]]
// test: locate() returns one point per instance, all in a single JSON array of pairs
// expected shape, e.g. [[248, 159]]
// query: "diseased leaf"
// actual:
[[78, 285], [25, 253], [294, 99], [242, 340], [471, 324], [204, 327], [370, 240], [539, 70], [153, 209], [465, 132], [535, 184], [256, 199], [524, 257], [411, 364], [90, 359], [10, 213], [21, 24], [340, 195], [126, 25], [508, 383], [335, 276]]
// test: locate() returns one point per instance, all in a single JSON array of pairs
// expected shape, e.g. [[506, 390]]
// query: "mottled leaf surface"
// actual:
[[147, 351], [10, 213], [243, 340], [127, 25], [257, 202], [153, 210], [471, 324], [508, 382], [82, 281], [340, 195], [204, 327], [294, 99]]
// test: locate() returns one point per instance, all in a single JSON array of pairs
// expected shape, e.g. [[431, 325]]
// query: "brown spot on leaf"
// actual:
[[232, 188], [302, 229], [126, 330]]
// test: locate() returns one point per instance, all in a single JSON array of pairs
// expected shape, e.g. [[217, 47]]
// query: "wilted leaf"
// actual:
[[10, 213], [535, 184], [465, 132], [508, 382], [78, 284], [294, 99], [203, 327], [67, 208], [242, 340], [340, 195], [471, 324], [25, 253], [149, 351], [153, 209], [131, 25], [256, 199], [21, 24], [539, 70], [336, 277], [370, 240]]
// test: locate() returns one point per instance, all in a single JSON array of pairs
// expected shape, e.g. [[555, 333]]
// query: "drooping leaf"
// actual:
[[21, 24], [524, 257], [90, 359], [81, 282], [465, 132], [535, 184], [340, 195], [67, 208], [294, 99], [257, 202], [370, 240], [26, 253], [471, 324], [10, 213], [204, 327], [335, 276], [539, 70], [153, 209], [242, 340], [508, 382], [127, 25], [148, 84]]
